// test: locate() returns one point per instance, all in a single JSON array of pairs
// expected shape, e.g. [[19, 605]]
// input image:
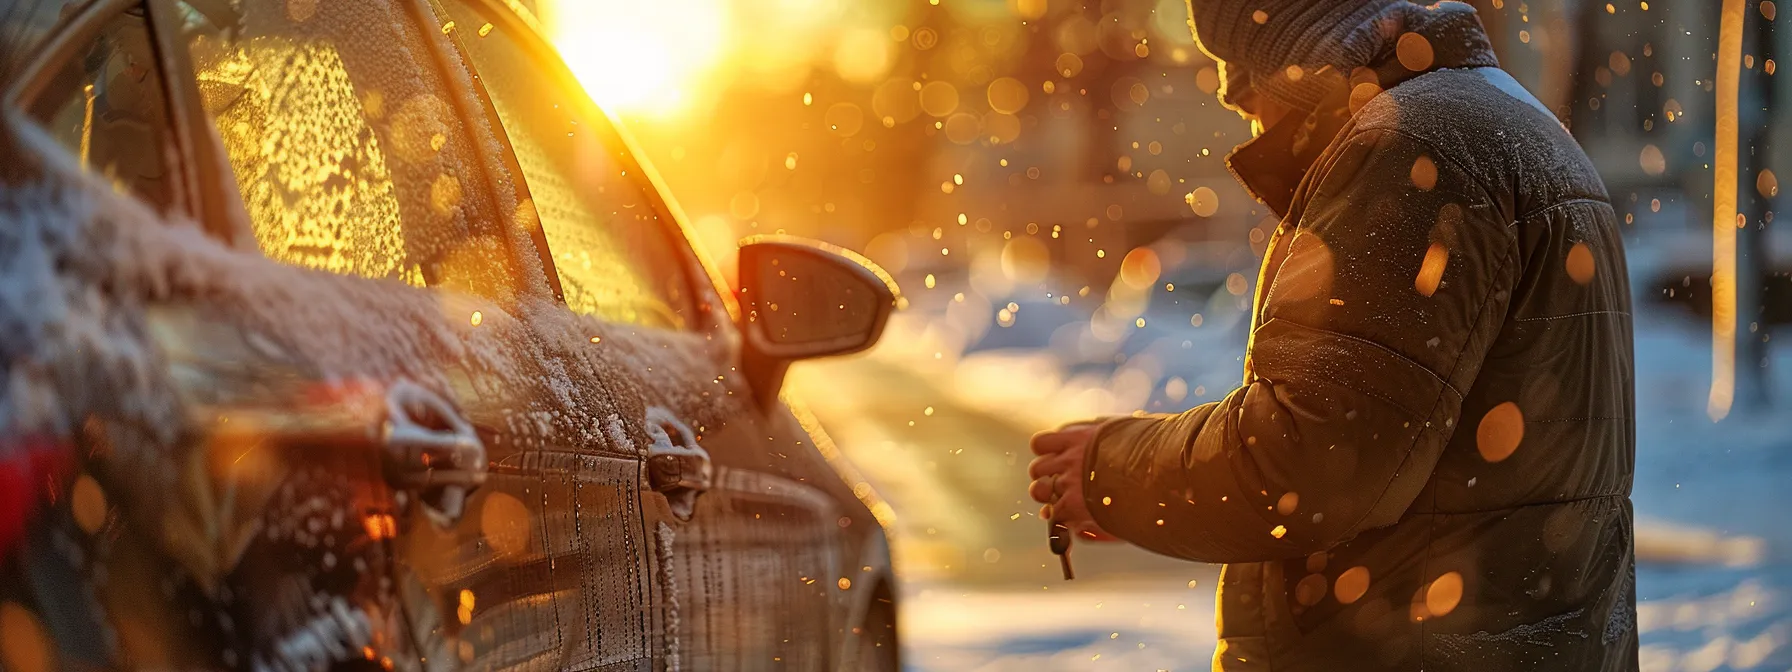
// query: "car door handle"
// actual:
[[429, 450], [676, 466], [429, 456]]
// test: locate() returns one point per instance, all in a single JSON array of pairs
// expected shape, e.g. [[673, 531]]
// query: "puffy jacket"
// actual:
[[1428, 466]]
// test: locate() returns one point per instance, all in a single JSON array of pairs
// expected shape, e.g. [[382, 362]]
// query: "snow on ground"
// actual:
[[1126, 625], [1142, 625], [1731, 481]]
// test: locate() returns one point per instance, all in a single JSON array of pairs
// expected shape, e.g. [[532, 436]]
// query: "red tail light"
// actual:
[[32, 469]]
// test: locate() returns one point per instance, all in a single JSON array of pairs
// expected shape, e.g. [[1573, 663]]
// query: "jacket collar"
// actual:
[[1271, 166]]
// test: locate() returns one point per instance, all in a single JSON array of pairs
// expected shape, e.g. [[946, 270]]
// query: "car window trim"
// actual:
[[426, 20], [219, 210], [64, 41], [59, 44], [506, 157], [511, 16]]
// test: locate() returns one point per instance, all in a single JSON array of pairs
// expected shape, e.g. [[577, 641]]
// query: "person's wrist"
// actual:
[[1092, 494]]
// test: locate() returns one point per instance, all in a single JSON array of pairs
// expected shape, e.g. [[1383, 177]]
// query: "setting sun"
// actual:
[[638, 57]]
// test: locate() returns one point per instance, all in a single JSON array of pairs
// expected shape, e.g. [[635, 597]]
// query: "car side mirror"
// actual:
[[803, 299]]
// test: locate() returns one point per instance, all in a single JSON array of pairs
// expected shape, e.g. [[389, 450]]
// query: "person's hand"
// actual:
[[1058, 479]]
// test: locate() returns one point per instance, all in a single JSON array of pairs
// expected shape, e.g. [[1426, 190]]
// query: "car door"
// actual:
[[752, 561], [341, 440]]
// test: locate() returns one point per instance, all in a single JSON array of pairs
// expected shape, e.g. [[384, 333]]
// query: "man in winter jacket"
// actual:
[[1428, 465]]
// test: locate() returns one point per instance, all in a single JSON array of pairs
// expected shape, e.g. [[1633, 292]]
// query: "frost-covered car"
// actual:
[[351, 334]]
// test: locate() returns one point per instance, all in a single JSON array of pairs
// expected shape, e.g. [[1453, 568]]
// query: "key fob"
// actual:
[[1059, 535]]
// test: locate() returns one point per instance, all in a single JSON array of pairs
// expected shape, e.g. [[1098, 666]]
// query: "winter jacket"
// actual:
[[1429, 463]]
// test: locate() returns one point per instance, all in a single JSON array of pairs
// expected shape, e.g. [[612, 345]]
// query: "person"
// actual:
[[1428, 465]]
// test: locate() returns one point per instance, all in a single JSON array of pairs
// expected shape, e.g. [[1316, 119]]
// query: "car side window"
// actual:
[[344, 143], [615, 257], [107, 105], [27, 22]]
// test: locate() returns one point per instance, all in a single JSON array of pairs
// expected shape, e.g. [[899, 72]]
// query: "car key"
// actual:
[[1059, 534]]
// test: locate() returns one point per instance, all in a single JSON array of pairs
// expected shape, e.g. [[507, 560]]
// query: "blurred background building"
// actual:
[[1046, 180]]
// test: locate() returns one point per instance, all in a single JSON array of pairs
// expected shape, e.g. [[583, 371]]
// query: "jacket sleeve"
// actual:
[[1378, 315]]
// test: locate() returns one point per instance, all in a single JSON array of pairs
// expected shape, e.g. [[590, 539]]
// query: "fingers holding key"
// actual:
[[1044, 489], [1057, 463], [1063, 439], [1049, 442], [1056, 478], [1070, 510]]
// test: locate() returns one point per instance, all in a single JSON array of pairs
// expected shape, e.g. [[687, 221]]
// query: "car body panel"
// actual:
[[562, 558], [712, 580]]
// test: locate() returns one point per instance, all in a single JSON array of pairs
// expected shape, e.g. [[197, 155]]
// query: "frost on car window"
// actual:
[[612, 252], [344, 143], [324, 198]]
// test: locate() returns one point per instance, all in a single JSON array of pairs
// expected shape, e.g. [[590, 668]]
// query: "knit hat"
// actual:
[[1282, 48]]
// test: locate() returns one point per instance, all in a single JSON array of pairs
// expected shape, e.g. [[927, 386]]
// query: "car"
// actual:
[[351, 334], [1178, 336]]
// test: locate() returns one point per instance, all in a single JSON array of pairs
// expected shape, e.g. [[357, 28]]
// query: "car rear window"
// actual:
[[28, 22], [105, 104]]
